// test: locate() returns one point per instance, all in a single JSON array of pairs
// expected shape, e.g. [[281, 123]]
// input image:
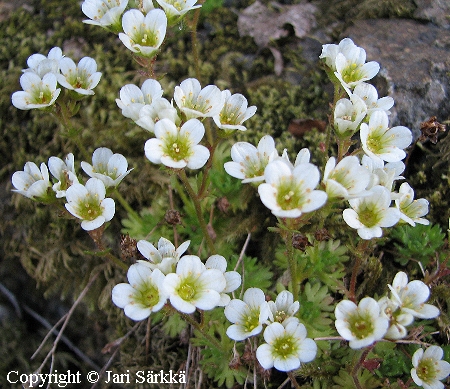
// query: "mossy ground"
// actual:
[[46, 258]]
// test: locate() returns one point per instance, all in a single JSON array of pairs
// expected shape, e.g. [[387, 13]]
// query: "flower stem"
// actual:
[[194, 38], [292, 265], [294, 382], [359, 364], [360, 251], [198, 327], [124, 203], [207, 169], [198, 210]]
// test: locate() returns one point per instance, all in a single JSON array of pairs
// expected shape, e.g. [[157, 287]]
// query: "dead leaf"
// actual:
[[266, 24]]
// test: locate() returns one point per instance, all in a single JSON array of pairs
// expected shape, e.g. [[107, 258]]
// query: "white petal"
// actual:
[[122, 294], [264, 356]]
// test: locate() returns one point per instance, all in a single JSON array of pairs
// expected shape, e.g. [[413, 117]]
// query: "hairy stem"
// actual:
[[294, 382], [198, 210], [198, 327]]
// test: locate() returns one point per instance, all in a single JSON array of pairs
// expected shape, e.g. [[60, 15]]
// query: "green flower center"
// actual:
[[280, 316], [41, 96], [361, 325], [145, 37], [426, 370], [197, 103], [352, 73], [187, 290], [251, 320], [178, 5], [289, 196], [90, 209], [369, 215], [284, 346], [78, 79], [177, 147], [375, 141], [230, 115], [148, 295]]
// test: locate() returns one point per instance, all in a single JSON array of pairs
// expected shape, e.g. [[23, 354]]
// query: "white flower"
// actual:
[[32, 182], [348, 115], [369, 94], [194, 286], [108, 167], [41, 65], [176, 9], [143, 5], [249, 162], [345, 46], [133, 99], [429, 368], [411, 297], [81, 78], [348, 179], [360, 324], [64, 172], [37, 92], [159, 109], [234, 112], [232, 278], [143, 294], [286, 346], [352, 69], [195, 102], [411, 210], [143, 34], [381, 142], [288, 191], [88, 203], [370, 213], [248, 315], [177, 147], [165, 257], [104, 13], [383, 174], [398, 320], [283, 307]]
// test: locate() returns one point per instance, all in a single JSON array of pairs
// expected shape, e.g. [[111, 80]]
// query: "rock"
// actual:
[[415, 63], [435, 11]]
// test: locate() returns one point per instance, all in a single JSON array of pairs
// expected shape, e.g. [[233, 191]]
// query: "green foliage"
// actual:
[[394, 363], [254, 273], [345, 381], [347, 11], [217, 356], [419, 243], [316, 307], [324, 262], [210, 5]]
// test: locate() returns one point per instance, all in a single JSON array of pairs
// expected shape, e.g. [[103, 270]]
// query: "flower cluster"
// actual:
[[179, 130], [168, 275], [88, 201], [286, 345], [365, 183], [387, 318], [44, 73], [140, 26]]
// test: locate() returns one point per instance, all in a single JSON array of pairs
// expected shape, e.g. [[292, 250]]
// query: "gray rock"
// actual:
[[435, 11], [415, 67]]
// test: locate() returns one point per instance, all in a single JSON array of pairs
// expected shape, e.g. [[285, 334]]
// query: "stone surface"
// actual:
[[435, 11], [415, 67]]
